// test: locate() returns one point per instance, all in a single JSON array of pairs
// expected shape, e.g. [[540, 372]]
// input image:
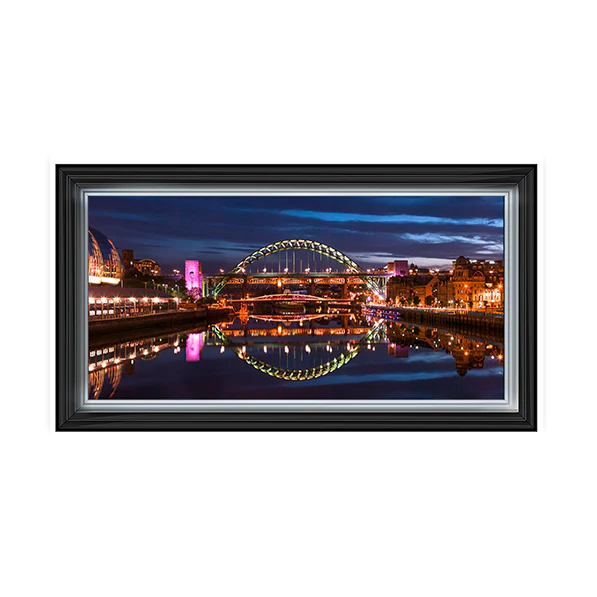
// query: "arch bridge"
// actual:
[[353, 273]]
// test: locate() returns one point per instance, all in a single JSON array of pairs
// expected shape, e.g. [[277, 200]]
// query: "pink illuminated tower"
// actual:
[[193, 275]]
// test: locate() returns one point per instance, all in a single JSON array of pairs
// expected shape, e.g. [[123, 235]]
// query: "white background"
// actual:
[[415, 514]]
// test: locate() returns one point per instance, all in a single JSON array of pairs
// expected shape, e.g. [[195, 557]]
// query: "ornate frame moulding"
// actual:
[[516, 183]]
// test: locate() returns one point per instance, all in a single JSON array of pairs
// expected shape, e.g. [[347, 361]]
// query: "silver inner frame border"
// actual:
[[511, 300]]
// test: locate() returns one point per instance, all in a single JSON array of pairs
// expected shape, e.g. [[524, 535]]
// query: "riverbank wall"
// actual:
[[471, 322], [162, 322]]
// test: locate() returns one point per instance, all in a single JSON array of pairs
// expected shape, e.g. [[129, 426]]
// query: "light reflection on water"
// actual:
[[339, 357]]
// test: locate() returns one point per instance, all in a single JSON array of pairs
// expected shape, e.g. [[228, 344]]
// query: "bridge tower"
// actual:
[[345, 289]]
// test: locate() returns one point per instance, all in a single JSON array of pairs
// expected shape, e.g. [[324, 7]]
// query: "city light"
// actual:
[[240, 303]]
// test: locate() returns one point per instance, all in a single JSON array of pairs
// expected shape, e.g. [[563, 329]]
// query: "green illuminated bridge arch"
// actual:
[[304, 374], [305, 245]]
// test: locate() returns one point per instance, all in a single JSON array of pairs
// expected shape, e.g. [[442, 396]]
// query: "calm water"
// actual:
[[344, 357]]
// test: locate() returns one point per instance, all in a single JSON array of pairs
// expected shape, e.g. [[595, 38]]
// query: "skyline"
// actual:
[[220, 231]]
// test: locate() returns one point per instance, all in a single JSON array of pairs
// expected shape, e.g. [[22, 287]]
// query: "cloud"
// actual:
[[392, 219], [436, 239]]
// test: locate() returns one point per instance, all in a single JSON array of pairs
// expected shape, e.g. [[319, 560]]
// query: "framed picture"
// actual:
[[288, 298]]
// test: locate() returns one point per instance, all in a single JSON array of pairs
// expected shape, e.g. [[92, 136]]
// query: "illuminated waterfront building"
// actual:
[[477, 284], [119, 302], [398, 267], [149, 267], [472, 284], [104, 266]]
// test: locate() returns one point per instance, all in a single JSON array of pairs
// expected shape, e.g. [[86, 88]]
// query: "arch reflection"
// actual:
[[351, 349]]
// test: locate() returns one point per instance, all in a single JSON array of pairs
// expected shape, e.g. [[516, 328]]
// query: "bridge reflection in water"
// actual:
[[293, 348], [299, 360]]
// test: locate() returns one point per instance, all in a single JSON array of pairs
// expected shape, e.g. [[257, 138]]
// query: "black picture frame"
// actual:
[[74, 181]]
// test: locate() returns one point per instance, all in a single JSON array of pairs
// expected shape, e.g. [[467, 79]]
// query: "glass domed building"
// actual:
[[105, 266]]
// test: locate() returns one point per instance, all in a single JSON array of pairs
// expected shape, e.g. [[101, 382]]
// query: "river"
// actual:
[[299, 357]]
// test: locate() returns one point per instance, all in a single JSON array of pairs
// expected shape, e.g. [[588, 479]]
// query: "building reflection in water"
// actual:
[[194, 346], [468, 353], [107, 364], [292, 350]]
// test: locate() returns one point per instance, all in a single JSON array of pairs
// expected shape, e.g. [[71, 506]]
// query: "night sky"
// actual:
[[221, 231]]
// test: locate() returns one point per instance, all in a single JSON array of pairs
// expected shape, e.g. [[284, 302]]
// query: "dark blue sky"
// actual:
[[221, 231]]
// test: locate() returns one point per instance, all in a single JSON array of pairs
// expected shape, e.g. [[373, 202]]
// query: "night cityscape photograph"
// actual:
[[310, 297]]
